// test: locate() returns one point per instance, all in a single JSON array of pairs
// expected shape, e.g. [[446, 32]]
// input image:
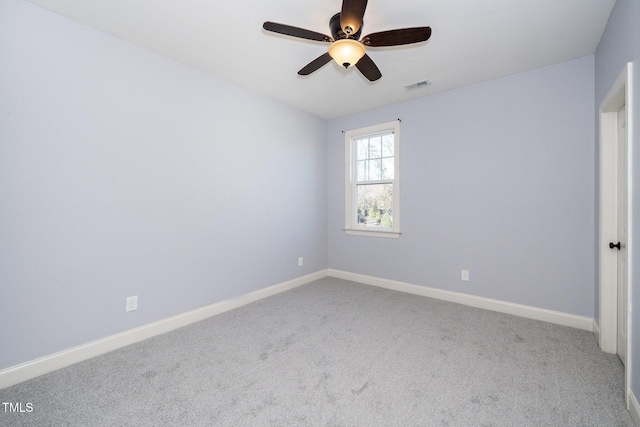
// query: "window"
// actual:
[[372, 186]]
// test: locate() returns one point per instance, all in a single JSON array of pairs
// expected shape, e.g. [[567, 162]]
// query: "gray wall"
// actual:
[[620, 44], [497, 178], [125, 173]]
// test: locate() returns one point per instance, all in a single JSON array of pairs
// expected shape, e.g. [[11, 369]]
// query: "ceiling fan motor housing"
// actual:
[[336, 29]]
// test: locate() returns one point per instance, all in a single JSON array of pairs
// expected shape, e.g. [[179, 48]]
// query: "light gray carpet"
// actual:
[[339, 353]]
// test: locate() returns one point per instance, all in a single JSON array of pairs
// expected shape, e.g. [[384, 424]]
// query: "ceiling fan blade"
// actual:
[[315, 64], [351, 15], [397, 37], [289, 30], [368, 68]]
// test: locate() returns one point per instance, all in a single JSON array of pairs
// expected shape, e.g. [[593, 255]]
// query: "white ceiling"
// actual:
[[472, 41]]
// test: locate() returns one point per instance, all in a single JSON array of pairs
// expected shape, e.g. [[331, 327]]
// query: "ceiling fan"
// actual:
[[346, 47]]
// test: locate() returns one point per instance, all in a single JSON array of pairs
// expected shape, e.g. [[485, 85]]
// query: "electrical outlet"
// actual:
[[300, 261], [465, 275], [132, 303]]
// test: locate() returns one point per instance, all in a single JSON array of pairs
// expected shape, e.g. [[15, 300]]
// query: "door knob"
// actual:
[[617, 245]]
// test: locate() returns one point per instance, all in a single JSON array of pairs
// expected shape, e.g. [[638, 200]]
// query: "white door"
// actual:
[[622, 235]]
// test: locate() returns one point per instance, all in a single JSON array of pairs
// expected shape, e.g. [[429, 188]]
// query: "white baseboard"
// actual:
[[559, 318], [634, 408], [35, 368], [32, 369], [596, 330]]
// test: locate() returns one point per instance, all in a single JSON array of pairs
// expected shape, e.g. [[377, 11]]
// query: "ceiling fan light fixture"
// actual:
[[346, 52]]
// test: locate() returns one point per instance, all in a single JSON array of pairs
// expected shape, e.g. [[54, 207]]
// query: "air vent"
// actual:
[[418, 85]]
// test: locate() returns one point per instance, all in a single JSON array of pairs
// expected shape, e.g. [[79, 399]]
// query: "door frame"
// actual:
[[606, 330]]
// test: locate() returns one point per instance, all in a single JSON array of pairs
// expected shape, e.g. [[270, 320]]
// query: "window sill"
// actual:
[[373, 233]]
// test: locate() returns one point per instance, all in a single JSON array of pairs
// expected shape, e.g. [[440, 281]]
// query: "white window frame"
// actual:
[[351, 222]]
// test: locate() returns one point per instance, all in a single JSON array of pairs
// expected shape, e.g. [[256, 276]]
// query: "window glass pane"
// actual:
[[387, 168], [375, 170], [363, 149], [387, 146], [362, 171], [375, 149], [375, 205]]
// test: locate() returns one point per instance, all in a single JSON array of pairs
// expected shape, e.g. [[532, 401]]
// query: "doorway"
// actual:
[[614, 250]]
